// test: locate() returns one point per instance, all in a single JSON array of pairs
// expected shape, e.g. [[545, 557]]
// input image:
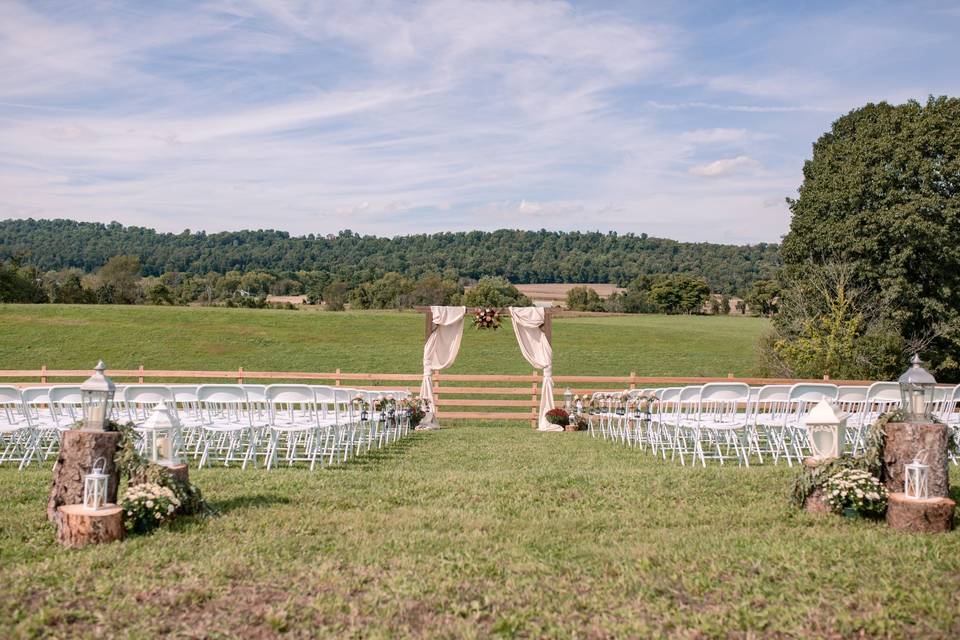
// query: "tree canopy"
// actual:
[[882, 195], [519, 256]]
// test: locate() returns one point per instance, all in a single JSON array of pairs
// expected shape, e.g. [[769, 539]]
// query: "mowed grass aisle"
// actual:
[[478, 531]]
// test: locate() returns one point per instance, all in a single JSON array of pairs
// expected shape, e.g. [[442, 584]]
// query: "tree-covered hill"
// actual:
[[520, 256]]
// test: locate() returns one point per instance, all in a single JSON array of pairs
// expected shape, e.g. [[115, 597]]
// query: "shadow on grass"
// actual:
[[255, 501], [375, 457]]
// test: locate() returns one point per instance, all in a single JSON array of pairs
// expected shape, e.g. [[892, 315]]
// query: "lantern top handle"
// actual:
[[916, 374], [99, 465]]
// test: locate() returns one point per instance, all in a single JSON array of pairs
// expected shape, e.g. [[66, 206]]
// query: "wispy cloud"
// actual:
[[392, 117], [724, 167]]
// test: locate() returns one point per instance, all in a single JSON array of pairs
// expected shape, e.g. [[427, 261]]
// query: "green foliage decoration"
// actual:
[[139, 470], [809, 479]]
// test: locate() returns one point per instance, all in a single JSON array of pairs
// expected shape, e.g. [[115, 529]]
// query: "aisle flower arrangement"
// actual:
[[558, 417], [857, 491], [414, 408], [486, 319], [146, 506]]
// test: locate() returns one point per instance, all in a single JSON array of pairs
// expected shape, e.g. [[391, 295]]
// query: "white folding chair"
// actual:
[[294, 422], [802, 398], [722, 419], [769, 415], [228, 432], [17, 432], [67, 404], [36, 401], [683, 423], [188, 410]]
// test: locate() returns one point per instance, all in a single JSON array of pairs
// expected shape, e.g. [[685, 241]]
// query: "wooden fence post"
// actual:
[[337, 379], [43, 374], [240, 375], [436, 395], [633, 379], [140, 376]]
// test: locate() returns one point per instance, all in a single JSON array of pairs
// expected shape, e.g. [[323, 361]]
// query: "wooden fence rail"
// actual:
[[497, 395]]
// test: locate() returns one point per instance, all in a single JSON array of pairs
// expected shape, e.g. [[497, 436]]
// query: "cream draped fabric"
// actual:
[[442, 346], [538, 352]]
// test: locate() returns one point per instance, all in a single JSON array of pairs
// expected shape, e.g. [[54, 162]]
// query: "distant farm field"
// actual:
[[66, 337]]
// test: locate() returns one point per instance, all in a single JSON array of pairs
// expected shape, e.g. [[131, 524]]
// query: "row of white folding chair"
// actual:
[[309, 423], [708, 421], [689, 422], [17, 431], [32, 420]]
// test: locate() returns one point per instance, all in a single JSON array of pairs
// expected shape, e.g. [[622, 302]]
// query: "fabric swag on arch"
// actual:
[[538, 352], [441, 348]]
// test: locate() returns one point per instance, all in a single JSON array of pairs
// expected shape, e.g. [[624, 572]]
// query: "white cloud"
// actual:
[[715, 136], [724, 167]]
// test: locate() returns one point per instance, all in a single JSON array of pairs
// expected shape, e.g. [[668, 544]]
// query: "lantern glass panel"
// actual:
[[96, 409], [917, 400], [916, 480], [95, 487], [96, 395], [916, 391]]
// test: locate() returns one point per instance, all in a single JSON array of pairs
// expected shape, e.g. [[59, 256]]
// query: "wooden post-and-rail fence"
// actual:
[[458, 396]]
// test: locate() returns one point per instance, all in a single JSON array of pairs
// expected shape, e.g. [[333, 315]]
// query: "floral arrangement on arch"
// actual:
[[488, 318], [146, 506], [855, 489]]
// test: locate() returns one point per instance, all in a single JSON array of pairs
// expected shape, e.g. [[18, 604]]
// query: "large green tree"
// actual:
[[882, 194]]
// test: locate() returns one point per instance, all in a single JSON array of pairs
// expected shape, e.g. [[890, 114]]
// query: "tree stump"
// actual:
[[932, 515], [78, 451], [180, 472], [904, 441], [77, 527], [815, 502]]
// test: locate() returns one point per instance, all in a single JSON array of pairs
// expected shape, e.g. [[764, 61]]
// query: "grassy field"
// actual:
[[67, 337], [483, 531], [475, 531]]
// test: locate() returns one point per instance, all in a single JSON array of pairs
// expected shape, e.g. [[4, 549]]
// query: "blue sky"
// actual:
[[681, 120]]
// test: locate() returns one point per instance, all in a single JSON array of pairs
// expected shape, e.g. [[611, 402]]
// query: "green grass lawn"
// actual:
[[480, 531], [68, 337]]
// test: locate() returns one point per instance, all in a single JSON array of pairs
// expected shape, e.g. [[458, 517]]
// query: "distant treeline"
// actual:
[[518, 256]]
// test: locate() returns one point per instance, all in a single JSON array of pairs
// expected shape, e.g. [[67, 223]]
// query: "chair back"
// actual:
[[771, 404], [723, 402], [221, 394], [12, 413], [67, 404]]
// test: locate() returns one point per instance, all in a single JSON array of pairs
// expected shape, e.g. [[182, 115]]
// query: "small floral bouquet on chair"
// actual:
[[644, 403], [147, 506], [854, 491], [486, 319], [414, 409]]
